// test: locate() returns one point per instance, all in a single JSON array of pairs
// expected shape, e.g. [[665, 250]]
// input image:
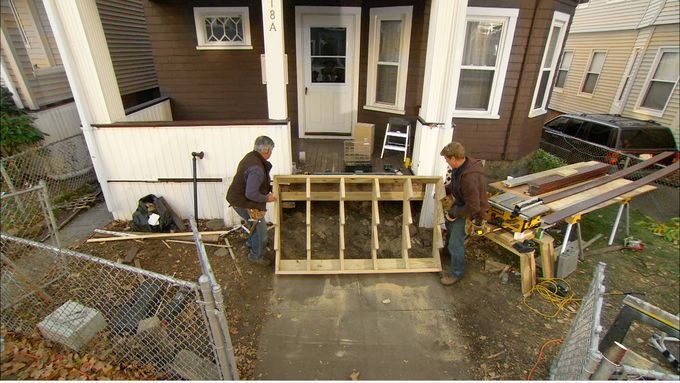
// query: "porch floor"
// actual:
[[327, 156]]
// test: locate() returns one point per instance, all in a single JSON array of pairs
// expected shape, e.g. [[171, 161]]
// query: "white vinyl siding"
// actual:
[[124, 26], [488, 41], [669, 14], [663, 36], [548, 64], [33, 34], [619, 47], [388, 51], [601, 15]]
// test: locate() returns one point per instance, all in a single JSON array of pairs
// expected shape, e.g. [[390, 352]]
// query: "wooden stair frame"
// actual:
[[382, 188]]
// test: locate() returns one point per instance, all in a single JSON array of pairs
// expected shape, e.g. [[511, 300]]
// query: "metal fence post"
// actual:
[[51, 221], [215, 327]]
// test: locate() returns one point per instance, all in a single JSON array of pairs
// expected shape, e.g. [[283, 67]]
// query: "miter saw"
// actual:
[[516, 213]]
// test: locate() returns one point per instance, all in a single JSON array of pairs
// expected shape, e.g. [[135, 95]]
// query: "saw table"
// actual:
[[519, 227]]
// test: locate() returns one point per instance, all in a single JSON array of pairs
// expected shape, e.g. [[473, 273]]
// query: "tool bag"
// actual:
[[152, 215]]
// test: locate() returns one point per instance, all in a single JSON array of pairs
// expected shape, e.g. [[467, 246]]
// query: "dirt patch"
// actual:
[[245, 297]]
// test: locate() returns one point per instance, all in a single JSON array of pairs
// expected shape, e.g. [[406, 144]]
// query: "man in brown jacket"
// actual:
[[249, 192], [468, 188]]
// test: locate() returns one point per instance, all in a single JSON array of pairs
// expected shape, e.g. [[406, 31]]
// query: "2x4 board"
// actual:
[[345, 189]]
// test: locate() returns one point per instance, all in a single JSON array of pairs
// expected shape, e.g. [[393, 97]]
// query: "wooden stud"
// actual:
[[547, 251], [157, 235]]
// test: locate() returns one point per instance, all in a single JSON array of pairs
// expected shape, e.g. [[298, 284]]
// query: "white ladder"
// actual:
[[398, 138]]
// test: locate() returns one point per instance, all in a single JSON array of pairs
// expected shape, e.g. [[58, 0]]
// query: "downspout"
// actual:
[[76, 88], [514, 101]]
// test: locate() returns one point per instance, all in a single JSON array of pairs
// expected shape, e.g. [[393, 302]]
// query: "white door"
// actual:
[[326, 72]]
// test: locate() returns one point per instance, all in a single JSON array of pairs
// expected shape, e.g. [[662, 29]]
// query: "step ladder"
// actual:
[[396, 136]]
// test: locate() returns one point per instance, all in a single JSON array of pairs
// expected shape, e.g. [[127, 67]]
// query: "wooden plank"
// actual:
[[527, 261], [357, 266], [157, 235], [408, 189], [554, 182], [350, 196], [517, 181], [569, 211], [606, 179], [309, 233]]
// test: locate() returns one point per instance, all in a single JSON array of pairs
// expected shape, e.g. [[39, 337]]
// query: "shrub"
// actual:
[[542, 160], [16, 127]]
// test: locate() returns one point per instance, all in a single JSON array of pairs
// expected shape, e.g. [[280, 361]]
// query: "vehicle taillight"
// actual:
[[612, 158]]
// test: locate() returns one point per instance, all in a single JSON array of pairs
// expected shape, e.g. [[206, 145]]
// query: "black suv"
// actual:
[[640, 138]]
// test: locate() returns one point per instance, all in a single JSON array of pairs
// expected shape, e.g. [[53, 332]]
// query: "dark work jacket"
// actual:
[[236, 195], [468, 187]]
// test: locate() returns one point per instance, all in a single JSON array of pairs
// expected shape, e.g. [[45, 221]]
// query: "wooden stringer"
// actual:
[[370, 188]]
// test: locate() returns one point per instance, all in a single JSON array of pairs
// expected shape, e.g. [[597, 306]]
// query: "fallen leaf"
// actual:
[[354, 375]]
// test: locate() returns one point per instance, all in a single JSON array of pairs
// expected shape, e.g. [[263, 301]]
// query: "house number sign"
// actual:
[[272, 16]]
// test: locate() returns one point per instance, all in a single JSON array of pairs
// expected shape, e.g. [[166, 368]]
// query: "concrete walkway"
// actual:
[[84, 223], [386, 327]]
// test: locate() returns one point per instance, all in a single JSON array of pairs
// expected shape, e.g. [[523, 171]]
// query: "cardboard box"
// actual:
[[364, 133]]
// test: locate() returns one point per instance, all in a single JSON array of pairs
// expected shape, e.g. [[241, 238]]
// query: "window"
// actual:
[[222, 27], [662, 79], [565, 64], [546, 73], [582, 4], [388, 49], [485, 56], [597, 133], [593, 73]]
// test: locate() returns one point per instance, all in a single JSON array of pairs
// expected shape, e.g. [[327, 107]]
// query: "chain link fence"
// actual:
[[579, 355], [64, 166], [663, 203], [117, 312]]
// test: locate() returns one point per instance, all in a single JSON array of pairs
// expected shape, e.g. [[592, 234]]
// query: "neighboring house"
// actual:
[[33, 70], [621, 57], [477, 71]]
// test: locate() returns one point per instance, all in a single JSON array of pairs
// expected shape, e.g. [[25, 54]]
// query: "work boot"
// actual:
[[448, 280], [261, 261]]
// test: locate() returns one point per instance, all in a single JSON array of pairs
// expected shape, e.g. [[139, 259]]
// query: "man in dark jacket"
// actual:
[[468, 188], [249, 192]]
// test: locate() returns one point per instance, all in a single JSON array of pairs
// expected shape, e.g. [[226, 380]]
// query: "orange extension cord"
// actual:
[[540, 353]]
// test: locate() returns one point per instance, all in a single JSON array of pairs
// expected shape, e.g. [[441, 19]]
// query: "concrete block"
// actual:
[[72, 325], [190, 366], [567, 262]]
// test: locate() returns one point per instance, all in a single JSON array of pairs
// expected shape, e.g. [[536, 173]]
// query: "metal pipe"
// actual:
[[609, 363], [218, 340], [51, 221], [193, 159]]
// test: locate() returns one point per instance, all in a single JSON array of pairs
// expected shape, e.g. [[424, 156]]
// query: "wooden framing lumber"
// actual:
[[608, 178], [373, 189], [574, 209], [517, 181], [156, 235], [554, 182]]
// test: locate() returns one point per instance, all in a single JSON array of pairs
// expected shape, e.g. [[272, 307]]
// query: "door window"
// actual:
[[328, 54]]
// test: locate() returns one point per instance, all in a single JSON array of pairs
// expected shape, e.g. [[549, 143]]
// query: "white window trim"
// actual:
[[201, 12], [585, 73], [562, 19], [638, 105], [583, 5], [377, 15], [509, 18], [626, 83]]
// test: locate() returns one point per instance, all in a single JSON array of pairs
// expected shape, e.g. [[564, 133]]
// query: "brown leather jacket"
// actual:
[[468, 187]]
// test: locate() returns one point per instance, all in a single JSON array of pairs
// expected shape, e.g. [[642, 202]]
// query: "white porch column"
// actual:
[[445, 38], [82, 45], [275, 60]]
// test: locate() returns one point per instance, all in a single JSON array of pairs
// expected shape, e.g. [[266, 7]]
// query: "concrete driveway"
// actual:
[[385, 327]]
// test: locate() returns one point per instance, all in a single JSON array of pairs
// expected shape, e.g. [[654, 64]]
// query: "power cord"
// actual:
[[554, 290], [540, 353]]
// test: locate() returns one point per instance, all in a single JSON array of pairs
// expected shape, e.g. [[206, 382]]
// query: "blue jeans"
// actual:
[[258, 241], [455, 244]]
